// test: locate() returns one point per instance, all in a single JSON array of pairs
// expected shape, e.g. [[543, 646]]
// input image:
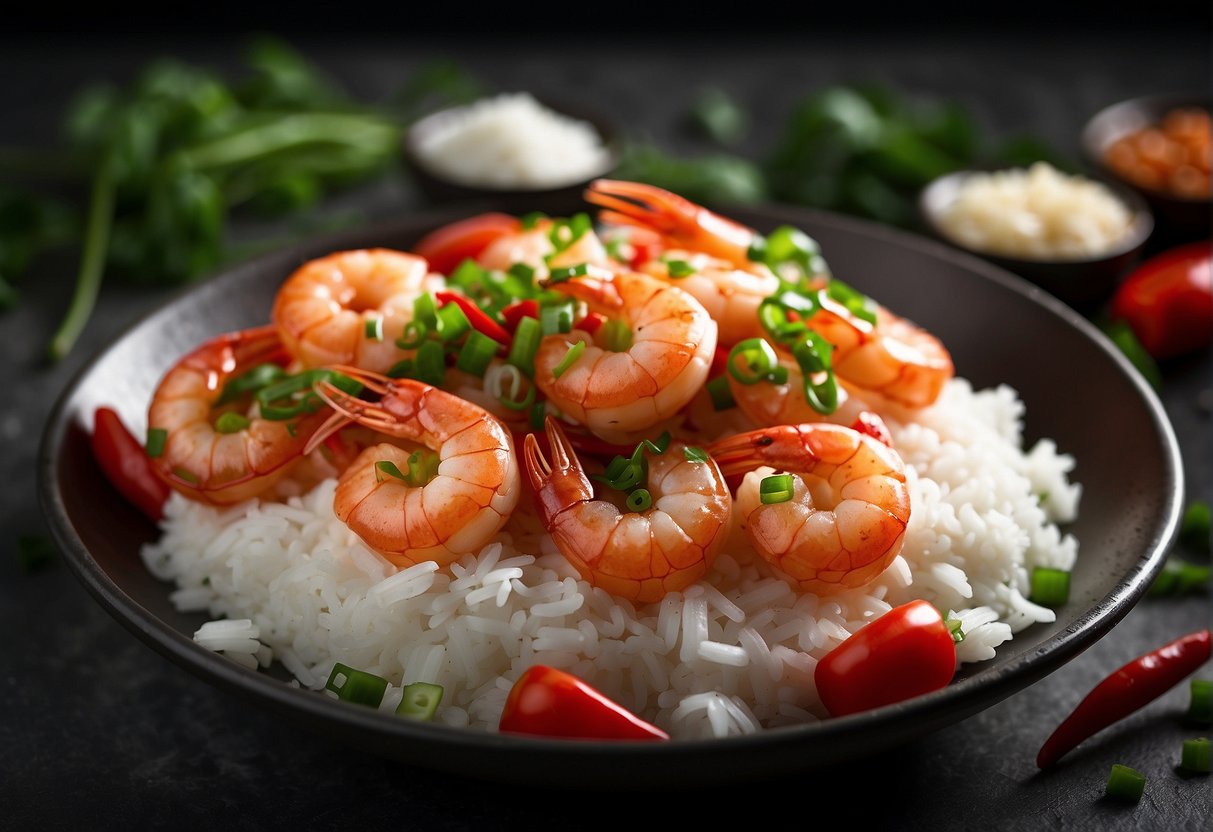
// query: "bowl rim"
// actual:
[[1140, 228], [607, 130], [1148, 106], [965, 696]]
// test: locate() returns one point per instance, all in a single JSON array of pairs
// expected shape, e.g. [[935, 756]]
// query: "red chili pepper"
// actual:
[[1135, 685], [476, 316], [551, 703], [515, 312], [1168, 301], [871, 424], [720, 362], [906, 652], [447, 247], [126, 465], [591, 323]]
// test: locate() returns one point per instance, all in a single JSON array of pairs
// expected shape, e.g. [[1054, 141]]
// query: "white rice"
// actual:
[[733, 654]]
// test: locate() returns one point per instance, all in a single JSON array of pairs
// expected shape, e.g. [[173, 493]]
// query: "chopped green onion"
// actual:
[[468, 276], [423, 467], [1125, 784], [1195, 756], [386, 468], [373, 329], [1194, 532], [532, 219], [617, 335], [614, 249], [693, 454], [623, 473], [857, 303], [1050, 587], [525, 345], [452, 322], [1200, 706], [570, 358], [356, 686], [425, 310], [231, 423], [296, 391], [777, 488], [640, 500], [250, 382], [680, 268], [413, 336], [721, 393], [1179, 577], [813, 354], [537, 415], [477, 353], [557, 319], [563, 274], [523, 272], [419, 701], [156, 439], [759, 363], [514, 404], [788, 247], [565, 233], [431, 363], [955, 627]]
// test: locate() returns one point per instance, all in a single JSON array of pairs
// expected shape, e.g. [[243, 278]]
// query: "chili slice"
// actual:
[[1133, 686], [126, 465], [476, 317], [552, 703]]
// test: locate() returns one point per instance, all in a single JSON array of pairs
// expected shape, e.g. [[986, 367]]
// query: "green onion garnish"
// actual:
[[1180, 577], [1200, 706], [431, 363], [525, 345], [624, 473], [1195, 756], [857, 303], [513, 404], [385, 468], [617, 335], [425, 310], [954, 627], [565, 233], [1194, 531], [563, 274], [680, 268], [523, 272], [452, 322], [537, 415], [231, 423], [640, 500], [423, 467], [413, 336], [758, 363], [373, 329], [788, 247], [615, 250], [1050, 587], [420, 701], [813, 354], [250, 382], [356, 686], [477, 353], [721, 393], [694, 454], [570, 358], [777, 488], [294, 396], [532, 219], [557, 319], [156, 439], [1125, 784]]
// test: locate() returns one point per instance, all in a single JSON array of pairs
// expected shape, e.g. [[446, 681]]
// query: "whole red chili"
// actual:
[[1133, 686], [1168, 301], [125, 464], [552, 703]]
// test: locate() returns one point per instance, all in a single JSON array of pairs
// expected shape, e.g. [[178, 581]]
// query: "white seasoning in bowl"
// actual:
[[1036, 214], [511, 141]]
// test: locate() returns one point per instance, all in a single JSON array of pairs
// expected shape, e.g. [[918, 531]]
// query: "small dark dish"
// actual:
[[1077, 388], [561, 200], [1179, 217], [1083, 284]]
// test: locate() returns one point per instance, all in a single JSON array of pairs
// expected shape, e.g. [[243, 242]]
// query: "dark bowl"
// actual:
[[1179, 218], [1083, 284], [1076, 386], [561, 200]]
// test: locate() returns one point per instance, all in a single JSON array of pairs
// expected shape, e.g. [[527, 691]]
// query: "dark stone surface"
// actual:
[[99, 732]]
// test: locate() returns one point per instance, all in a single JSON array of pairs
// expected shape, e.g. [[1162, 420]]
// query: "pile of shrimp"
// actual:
[[645, 388]]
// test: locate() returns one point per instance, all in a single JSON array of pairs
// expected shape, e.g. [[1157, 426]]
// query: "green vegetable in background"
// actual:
[[717, 179]]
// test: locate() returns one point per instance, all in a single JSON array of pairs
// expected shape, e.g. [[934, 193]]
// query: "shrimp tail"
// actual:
[[560, 483]]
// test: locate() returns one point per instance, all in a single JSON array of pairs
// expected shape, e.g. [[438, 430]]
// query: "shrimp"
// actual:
[[730, 294], [326, 308], [629, 378], [638, 555], [240, 458], [534, 247], [847, 516], [771, 404], [471, 494]]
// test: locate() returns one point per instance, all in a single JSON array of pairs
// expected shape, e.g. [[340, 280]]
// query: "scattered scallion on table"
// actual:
[[1194, 757], [1125, 783], [1200, 704], [1050, 587], [356, 686], [420, 701]]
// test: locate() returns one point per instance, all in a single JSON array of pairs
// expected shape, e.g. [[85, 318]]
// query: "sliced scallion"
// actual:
[[250, 382], [1200, 705], [754, 360], [477, 353], [1195, 756], [532, 219], [356, 686], [419, 701], [525, 345], [568, 273], [856, 302], [373, 329], [423, 467], [425, 310], [955, 627], [570, 358], [1125, 783], [537, 415], [640, 500], [431, 363], [1050, 587], [523, 273], [556, 319], [617, 335], [721, 393], [156, 439], [385, 468], [679, 268], [452, 322], [813, 355], [231, 423], [413, 336], [693, 454], [777, 488]]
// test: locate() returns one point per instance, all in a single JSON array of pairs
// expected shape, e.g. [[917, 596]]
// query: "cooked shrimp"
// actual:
[[534, 247], [846, 519], [638, 555], [731, 295], [474, 487], [241, 457], [639, 368], [773, 404], [325, 309]]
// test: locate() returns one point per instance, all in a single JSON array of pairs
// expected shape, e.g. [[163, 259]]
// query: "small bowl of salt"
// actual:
[[512, 150], [1073, 236]]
